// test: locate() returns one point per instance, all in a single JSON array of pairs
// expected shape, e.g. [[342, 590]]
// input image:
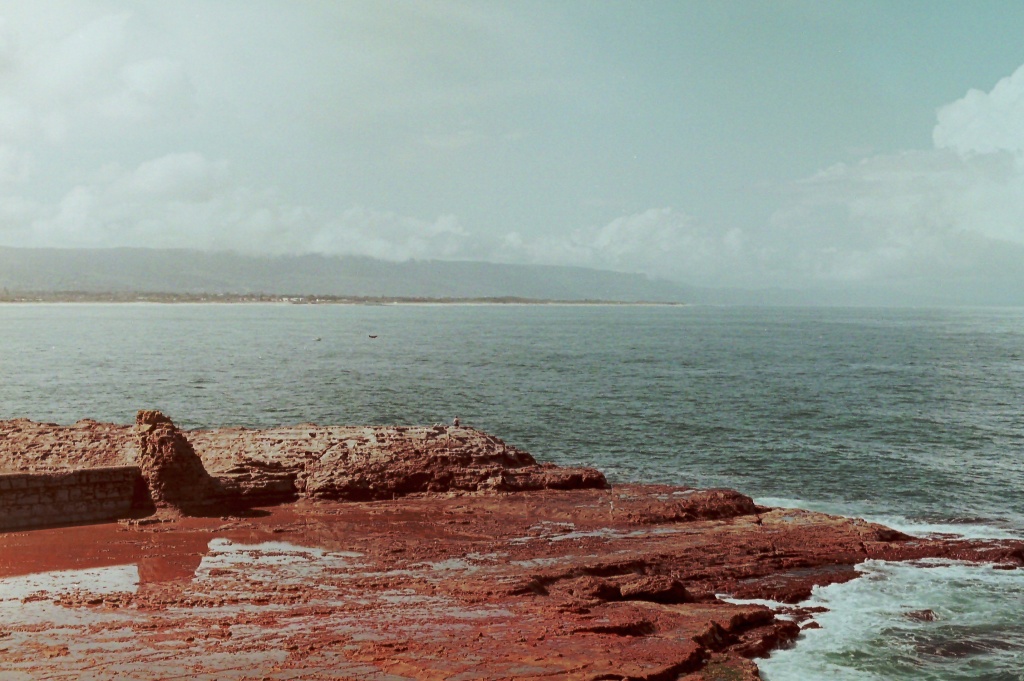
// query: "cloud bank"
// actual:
[[984, 122], [106, 140], [186, 200], [947, 217], [95, 80]]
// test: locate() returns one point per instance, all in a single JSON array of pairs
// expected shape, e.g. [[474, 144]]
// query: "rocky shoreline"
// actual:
[[408, 553], [238, 466]]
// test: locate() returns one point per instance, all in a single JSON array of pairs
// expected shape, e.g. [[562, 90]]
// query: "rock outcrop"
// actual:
[[29, 446], [174, 473], [375, 462], [581, 584], [188, 470], [430, 568]]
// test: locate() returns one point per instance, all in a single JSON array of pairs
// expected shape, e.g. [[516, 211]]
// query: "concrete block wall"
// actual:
[[29, 500]]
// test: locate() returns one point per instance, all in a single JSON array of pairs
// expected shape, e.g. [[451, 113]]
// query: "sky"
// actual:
[[786, 144]]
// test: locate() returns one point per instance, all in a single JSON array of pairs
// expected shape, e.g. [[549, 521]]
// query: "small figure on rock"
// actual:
[[455, 421]]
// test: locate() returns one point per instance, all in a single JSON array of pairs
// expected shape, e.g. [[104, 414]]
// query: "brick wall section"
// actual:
[[29, 500]]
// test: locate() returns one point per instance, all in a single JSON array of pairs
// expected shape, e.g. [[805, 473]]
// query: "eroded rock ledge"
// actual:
[[375, 462], [405, 556], [190, 471]]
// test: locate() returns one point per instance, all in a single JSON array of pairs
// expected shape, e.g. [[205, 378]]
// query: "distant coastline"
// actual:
[[236, 298]]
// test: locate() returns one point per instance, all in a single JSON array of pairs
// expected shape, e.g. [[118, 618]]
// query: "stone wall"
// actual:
[[30, 500]]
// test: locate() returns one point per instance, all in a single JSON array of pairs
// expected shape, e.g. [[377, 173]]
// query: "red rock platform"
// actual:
[[587, 584], [427, 558]]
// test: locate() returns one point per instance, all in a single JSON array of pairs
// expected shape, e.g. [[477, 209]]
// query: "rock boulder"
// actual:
[[173, 471]]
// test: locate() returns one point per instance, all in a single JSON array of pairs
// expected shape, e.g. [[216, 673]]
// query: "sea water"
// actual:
[[909, 417]]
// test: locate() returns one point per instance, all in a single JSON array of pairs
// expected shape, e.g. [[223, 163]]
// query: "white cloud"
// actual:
[[89, 92], [389, 236], [984, 122], [916, 220], [176, 177], [92, 76], [900, 216], [660, 241], [185, 200], [147, 89], [15, 165], [936, 217], [96, 106]]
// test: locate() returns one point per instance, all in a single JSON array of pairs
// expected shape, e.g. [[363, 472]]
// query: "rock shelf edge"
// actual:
[[408, 553], [159, 467]]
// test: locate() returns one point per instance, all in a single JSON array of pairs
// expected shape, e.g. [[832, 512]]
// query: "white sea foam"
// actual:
[[870, 633]]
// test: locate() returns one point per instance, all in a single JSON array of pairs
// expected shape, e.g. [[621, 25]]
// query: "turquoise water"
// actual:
[[908, 416]]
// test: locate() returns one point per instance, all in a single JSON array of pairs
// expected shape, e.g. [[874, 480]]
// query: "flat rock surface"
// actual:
[[27, 446], [307, 460], [374, 462], [592, 584]]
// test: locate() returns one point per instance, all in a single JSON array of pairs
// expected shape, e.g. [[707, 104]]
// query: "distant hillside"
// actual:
[[187, 271]]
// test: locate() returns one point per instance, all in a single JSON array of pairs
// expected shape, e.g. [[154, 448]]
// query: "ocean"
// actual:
[[908, 417]]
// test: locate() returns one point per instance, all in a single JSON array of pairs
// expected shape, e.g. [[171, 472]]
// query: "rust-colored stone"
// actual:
[[489, 586], [375, 462], [173, 472], [289, 462], [481, 566], [657, 589]]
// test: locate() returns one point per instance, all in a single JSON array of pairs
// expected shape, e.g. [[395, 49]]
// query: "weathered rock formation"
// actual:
[[28, 446], [375, 462], [593, 584], [187, 470], [173, 472], [429, 570]]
